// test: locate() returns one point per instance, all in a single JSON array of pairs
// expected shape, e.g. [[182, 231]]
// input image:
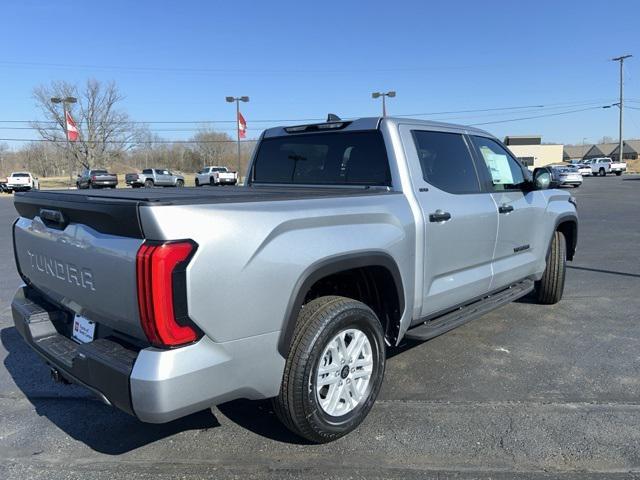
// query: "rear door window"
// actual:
[[337, 158], [446, 161]]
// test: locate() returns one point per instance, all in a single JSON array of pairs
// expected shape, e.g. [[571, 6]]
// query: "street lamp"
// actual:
[[390, 94], [64, 101], [238, 100]]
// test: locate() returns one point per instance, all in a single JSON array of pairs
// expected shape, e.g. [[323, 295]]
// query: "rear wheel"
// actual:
[[148, 183], [618, 174], [212, 182], [334, 370], [602, 172], [550, 287], [179, 183]]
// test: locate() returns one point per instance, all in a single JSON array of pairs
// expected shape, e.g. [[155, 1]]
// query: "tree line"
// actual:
[[109, 138]]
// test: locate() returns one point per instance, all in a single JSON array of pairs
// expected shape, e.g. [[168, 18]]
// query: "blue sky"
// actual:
[[176, 61]]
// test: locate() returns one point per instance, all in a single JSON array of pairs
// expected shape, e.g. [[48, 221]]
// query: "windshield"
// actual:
[[338, 158]]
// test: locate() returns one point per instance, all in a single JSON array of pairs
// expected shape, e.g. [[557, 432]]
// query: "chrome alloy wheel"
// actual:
[[344, 372]]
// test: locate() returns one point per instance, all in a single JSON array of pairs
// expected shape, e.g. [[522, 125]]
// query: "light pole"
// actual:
[[64, 102], [238, 100], [390, 94], [621, 103]]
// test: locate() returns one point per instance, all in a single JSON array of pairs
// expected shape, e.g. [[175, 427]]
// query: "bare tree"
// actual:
[[214, 148], [104, 130]]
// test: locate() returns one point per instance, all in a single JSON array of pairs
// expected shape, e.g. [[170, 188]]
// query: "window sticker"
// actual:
[[498, 165]]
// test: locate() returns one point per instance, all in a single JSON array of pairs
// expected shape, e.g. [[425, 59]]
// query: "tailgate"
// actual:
[[72, 262]]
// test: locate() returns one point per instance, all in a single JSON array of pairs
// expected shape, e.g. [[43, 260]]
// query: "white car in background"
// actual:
[[216, 176], [584, 169], [22, 181]]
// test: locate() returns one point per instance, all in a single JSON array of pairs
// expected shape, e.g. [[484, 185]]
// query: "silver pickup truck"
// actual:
[[348, 237], [154, 177]]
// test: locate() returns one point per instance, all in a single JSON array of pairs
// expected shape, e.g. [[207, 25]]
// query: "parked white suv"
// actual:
[[19, 181]]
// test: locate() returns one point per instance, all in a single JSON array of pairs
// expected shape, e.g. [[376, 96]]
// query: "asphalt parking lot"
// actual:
[[527, 390]]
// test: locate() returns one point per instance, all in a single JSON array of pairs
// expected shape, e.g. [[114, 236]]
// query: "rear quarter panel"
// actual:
[[251, 256]]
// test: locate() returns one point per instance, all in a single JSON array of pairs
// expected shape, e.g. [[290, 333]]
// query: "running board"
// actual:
[[460, 316]]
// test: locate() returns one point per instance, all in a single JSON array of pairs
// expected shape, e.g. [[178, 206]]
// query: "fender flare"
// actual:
[[573, 219], [330, 266]]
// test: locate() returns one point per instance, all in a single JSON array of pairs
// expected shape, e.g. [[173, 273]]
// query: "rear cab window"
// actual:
[[335, 158]]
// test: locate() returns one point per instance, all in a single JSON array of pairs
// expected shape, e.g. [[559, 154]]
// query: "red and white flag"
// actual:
[[72, 130], [242, 126]]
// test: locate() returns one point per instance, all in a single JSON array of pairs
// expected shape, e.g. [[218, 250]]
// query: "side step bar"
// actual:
[[460, 316]]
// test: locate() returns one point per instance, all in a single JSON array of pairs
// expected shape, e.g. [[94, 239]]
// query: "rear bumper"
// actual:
[[104, 183], [103, 366], [153, 384]]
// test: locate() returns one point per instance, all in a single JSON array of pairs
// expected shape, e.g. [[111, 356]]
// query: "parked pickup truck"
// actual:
[[154, 177], [96, 179], [348, 237], [21, 181], [604, 165], [216, 176]]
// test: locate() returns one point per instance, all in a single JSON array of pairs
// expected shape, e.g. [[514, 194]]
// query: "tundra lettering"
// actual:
[[82, 277]]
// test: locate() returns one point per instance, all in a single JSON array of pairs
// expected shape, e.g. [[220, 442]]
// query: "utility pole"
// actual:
[[621, 104]]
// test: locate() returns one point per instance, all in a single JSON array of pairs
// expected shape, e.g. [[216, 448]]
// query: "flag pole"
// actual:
[[66, 136], [238, 135]]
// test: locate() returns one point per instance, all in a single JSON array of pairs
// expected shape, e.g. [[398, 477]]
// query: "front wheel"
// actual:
[[197, 182], [334, 369], [550, 287]]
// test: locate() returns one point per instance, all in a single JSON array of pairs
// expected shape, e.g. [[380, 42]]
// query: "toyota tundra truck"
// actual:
[[347, 238]]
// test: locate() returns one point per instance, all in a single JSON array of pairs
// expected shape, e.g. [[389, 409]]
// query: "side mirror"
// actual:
[[542, 178]]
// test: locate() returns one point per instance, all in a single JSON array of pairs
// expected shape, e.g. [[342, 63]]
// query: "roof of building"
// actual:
[[523, 140], [601, 150], [576, 151]]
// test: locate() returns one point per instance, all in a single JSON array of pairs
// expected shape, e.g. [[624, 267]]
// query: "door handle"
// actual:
[[439, 216], [505, 208]]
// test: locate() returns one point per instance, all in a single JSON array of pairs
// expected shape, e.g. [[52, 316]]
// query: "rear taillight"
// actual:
[[161, 278]]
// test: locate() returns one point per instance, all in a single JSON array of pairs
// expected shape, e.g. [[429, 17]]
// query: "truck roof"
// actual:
[[373, 123]]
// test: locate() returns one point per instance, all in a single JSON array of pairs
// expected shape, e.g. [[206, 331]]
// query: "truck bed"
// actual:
[[112, 211]]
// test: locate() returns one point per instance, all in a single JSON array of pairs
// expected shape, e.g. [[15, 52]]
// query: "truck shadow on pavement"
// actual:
[[76, 412]]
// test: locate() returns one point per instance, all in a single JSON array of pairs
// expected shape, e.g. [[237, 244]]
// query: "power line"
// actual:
[[318, 119], [535, 116], [144, 142]]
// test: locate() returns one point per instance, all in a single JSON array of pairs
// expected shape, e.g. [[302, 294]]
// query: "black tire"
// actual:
[[179, 183], [212, 182], [550, 287], [78, 186], [148, 183], [602, 172], [197, 182], [576, 186], [618, 174], [90, 185], [297, 405]]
